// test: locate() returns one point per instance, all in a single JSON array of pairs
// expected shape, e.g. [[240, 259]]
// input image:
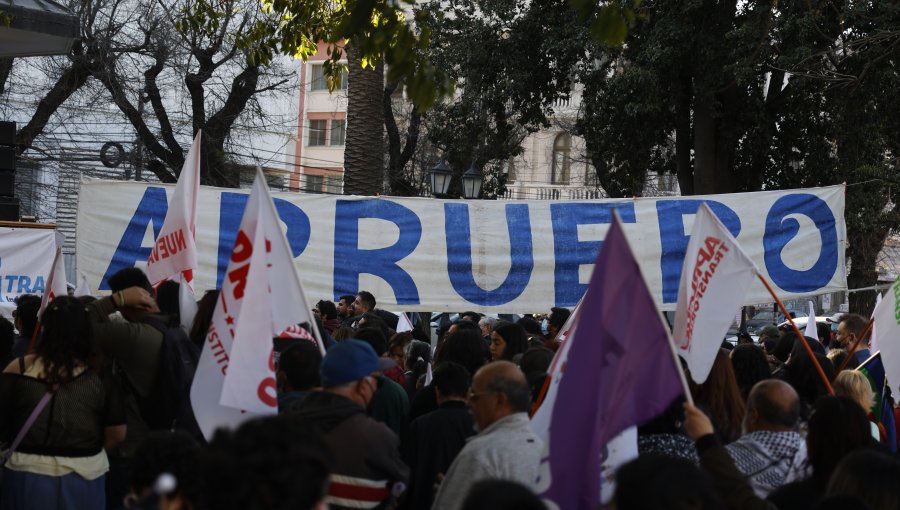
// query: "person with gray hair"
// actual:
[[505, 448], [487, 324], [771, 452]]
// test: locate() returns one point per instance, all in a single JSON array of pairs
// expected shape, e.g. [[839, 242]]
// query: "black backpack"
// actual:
[[168, 406]]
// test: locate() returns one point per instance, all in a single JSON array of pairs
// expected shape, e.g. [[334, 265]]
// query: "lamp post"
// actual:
[[440, 178], [471, 182]]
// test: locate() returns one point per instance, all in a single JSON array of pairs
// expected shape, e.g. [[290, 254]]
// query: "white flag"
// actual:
[[887, 320], [187, 304], [873, 341], [175, 250], [715, 276], [811, 330], [403, 322], [83, 288], [274, 301], [540, 422], [56, 282], [260, 297]]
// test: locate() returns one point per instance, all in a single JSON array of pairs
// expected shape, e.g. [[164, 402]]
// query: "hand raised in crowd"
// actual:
[[696, 423], [137, 298]]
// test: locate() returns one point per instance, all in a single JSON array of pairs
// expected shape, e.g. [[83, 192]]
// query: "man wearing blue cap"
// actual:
[[367, 470]]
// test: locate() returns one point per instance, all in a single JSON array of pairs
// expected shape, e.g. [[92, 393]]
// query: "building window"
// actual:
[[510, 171], [319, 82], [317, 132], [562, 148], [590, 175], [333, 185], [313, 184], [338, 132]]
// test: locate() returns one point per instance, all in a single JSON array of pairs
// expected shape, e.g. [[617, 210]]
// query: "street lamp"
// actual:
[[471, 182], [440, 178]]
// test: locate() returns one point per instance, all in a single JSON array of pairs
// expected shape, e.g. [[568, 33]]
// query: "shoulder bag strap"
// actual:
[[28, 424]]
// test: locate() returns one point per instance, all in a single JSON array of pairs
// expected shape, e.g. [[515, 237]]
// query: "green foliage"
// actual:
[[510, 60], [6, 18], [378, 28]]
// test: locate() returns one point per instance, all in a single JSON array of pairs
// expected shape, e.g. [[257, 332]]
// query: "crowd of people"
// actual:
[[91, 417]]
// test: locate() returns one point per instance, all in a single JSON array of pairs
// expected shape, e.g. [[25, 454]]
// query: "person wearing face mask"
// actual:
[[367, 470]]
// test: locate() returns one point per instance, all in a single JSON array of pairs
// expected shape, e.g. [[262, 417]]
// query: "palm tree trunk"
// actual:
[[364, 149]]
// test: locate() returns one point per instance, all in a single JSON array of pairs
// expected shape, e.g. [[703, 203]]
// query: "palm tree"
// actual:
[[364, 149]]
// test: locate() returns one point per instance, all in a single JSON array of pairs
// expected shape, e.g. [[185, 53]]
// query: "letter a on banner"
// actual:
[[715, 277], [175, 250]]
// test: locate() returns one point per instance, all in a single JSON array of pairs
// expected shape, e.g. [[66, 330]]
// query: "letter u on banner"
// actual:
[[459, 255]]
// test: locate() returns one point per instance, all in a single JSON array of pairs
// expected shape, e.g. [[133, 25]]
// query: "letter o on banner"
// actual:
[[780, 230]]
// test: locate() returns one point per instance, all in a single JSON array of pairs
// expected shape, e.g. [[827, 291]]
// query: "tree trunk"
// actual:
[[364, 149], [862, 250], [704, 146], [683, 138], [397, 157]]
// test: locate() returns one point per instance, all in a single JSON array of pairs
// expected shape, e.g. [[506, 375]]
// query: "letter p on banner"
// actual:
[[715, 277]]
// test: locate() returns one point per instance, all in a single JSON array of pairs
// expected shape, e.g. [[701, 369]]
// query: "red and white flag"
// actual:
[[715, 277], [175, 250], [403, 322], [261, 297], [56, 282]]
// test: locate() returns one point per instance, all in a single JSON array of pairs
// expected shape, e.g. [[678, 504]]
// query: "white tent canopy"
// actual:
[[38, 27]]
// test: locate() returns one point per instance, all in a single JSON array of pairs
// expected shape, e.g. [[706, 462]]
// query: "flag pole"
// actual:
[[543, 394], [312, 320], [37, 329], [790, 319], [855, 345], [679, 369], [866, 362]]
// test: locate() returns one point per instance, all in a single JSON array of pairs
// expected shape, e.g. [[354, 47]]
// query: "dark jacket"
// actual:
[[801, 495], [390, 406], [424, 402], [430, 446], [365, 453], [135, 348]]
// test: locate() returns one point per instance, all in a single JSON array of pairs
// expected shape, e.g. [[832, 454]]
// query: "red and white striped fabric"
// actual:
[[353, 492]]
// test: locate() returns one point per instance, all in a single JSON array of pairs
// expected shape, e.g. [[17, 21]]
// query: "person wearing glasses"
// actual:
[[367, 468], [505, 448]]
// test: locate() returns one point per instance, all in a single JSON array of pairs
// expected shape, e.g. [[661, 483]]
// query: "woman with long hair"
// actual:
[[721, 398], [507, 341], [60, 463]]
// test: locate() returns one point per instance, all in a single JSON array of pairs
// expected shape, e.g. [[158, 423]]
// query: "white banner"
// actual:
[[26, 257], [422, 254]]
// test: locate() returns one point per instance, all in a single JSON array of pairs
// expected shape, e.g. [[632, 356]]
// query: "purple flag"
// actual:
[[620, 372]]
